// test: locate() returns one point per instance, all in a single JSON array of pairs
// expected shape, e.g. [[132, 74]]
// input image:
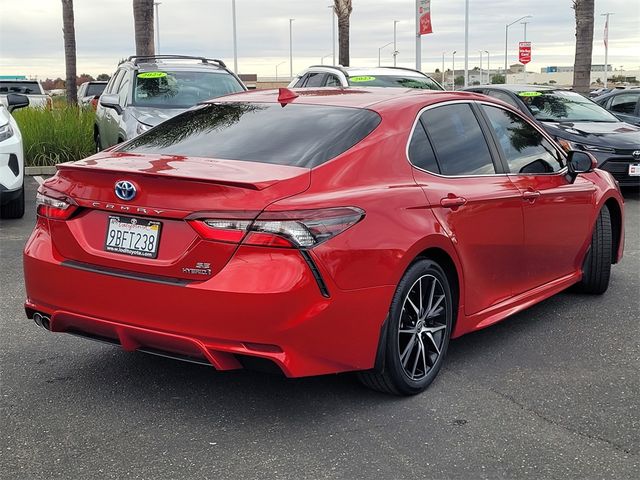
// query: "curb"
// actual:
[[31, 171]]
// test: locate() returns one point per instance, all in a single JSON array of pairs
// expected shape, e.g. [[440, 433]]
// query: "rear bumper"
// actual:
[[261, 304]]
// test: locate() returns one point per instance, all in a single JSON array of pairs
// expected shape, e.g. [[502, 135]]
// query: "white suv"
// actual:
[[327, 76], [11, 159]]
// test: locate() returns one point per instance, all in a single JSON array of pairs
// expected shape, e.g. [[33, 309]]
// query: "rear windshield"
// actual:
[[94, 89], [181, 89], [26, 88], [296, 135], [424, 83]]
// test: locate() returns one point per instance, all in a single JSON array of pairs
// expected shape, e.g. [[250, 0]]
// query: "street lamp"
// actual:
[[488, 68], [524, 24], [481, 52], [322, 58], [453, 81], [395, 43], [333, 31], [156, 5], [291, 47], [235, 37], [506, 42], [466, 43], [380, 51], [281, 63], [443, 85]]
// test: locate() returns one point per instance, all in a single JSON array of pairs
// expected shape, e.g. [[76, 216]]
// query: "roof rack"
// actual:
[[335, 67], [136, 59]]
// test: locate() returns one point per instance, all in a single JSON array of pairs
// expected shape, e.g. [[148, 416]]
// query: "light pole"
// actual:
[[453, 61], [418, 38], [481, 52], [606, 46], [506, 43], [281, 63], [488, 68], [322, 58], [333, 31], [395, 41], [291, 47], [235, 37], [524, 24], [380, 51], [466, 43], [156, 5], [443, 85]]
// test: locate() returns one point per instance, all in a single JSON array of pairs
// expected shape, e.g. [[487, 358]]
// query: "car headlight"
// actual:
[[5, 132], [141, 128], [568, 145]]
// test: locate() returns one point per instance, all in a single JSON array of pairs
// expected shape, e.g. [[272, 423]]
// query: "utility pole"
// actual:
[[156, 5], [395, 41], [488, 68], [506, 43], [235, 37], [481, 51], [418, 38], [333, 32], [443, 85], [606, 47], [466, 43], [291, 47], [453, 61]]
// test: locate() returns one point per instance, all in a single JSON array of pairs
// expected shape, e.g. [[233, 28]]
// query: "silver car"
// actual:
[[145, 91]]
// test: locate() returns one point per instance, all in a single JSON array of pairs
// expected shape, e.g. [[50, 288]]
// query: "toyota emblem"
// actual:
[[125, 190], [636, 155]]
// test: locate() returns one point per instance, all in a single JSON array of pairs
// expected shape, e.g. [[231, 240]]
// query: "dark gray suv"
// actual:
[[145, 91]]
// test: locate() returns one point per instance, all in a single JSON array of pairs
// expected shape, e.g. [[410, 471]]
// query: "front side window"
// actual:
[[625, 103], [525, 149], [295, 135], [460, 146], [181, 89]]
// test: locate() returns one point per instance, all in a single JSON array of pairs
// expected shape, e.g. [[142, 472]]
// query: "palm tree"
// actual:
[[343, 10], [143, 26], [584, 45], [69, 34]]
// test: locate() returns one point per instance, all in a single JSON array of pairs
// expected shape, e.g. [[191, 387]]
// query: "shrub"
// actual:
[[57, 135]]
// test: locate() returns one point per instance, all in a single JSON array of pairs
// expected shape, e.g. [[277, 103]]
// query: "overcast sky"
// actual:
[[31, 33]]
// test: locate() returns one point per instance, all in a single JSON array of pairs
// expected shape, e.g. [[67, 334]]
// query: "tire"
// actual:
[[596, 269], [98, 142], [14, 208], [411, 359]]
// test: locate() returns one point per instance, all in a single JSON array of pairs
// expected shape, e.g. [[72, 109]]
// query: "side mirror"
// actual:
[[579, 162], [16, 101], [111, 100]]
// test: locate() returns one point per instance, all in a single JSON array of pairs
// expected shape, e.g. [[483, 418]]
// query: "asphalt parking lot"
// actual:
[[554, 392]]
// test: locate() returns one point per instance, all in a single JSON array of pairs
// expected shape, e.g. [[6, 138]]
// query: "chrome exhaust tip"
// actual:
[[41, 320]]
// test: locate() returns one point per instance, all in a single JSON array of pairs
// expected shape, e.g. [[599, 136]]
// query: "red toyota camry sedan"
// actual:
[[320, 231]]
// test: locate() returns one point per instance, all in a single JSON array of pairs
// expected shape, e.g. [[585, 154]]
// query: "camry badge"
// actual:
[[636, 155], [125, 190]]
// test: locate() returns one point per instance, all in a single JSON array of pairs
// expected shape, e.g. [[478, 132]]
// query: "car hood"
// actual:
[[607, 134], [152, 116]]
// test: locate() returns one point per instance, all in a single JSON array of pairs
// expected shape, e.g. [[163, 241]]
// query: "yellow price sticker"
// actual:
[[361, 79], [530, 94], [152, 75]]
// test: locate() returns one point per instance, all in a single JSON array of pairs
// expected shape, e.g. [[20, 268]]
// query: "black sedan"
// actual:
[[577, 123], [624, 104]]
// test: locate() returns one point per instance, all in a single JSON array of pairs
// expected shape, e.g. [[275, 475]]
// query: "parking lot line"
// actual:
[[39, 179]]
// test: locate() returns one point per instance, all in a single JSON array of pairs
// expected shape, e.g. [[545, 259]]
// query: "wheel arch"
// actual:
[[616, 227]]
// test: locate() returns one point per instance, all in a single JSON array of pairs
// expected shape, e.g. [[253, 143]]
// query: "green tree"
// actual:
[[103, 77], [498, 79], [584, 45]]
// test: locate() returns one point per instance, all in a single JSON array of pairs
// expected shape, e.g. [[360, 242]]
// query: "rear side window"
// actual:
[[625, 103], [296, 135], [458, 141], [94, 89], [525, 149], [315, 80], [25, 88], [421, 152]]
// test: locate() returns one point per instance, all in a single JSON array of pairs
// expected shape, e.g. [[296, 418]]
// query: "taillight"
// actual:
[[288, 229], [54, 208]]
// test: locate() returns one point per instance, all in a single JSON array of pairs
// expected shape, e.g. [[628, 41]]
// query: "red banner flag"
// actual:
[[525, 52], [424, 16]]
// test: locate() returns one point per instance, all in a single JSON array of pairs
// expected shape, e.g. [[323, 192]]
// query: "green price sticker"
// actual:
[[152, 75], [530, 94], [361, 79]]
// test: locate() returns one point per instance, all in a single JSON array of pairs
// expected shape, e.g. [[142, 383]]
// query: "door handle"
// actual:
[[453, 202], [531, 195]]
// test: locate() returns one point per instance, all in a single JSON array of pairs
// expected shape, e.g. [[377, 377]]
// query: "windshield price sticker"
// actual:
[[152, 75], [361, 79], [530, 94]]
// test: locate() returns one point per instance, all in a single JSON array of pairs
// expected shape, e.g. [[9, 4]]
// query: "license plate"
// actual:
[[634, 170], [133, 236]]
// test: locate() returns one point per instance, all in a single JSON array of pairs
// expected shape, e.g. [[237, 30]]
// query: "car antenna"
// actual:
[[285, 95]]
